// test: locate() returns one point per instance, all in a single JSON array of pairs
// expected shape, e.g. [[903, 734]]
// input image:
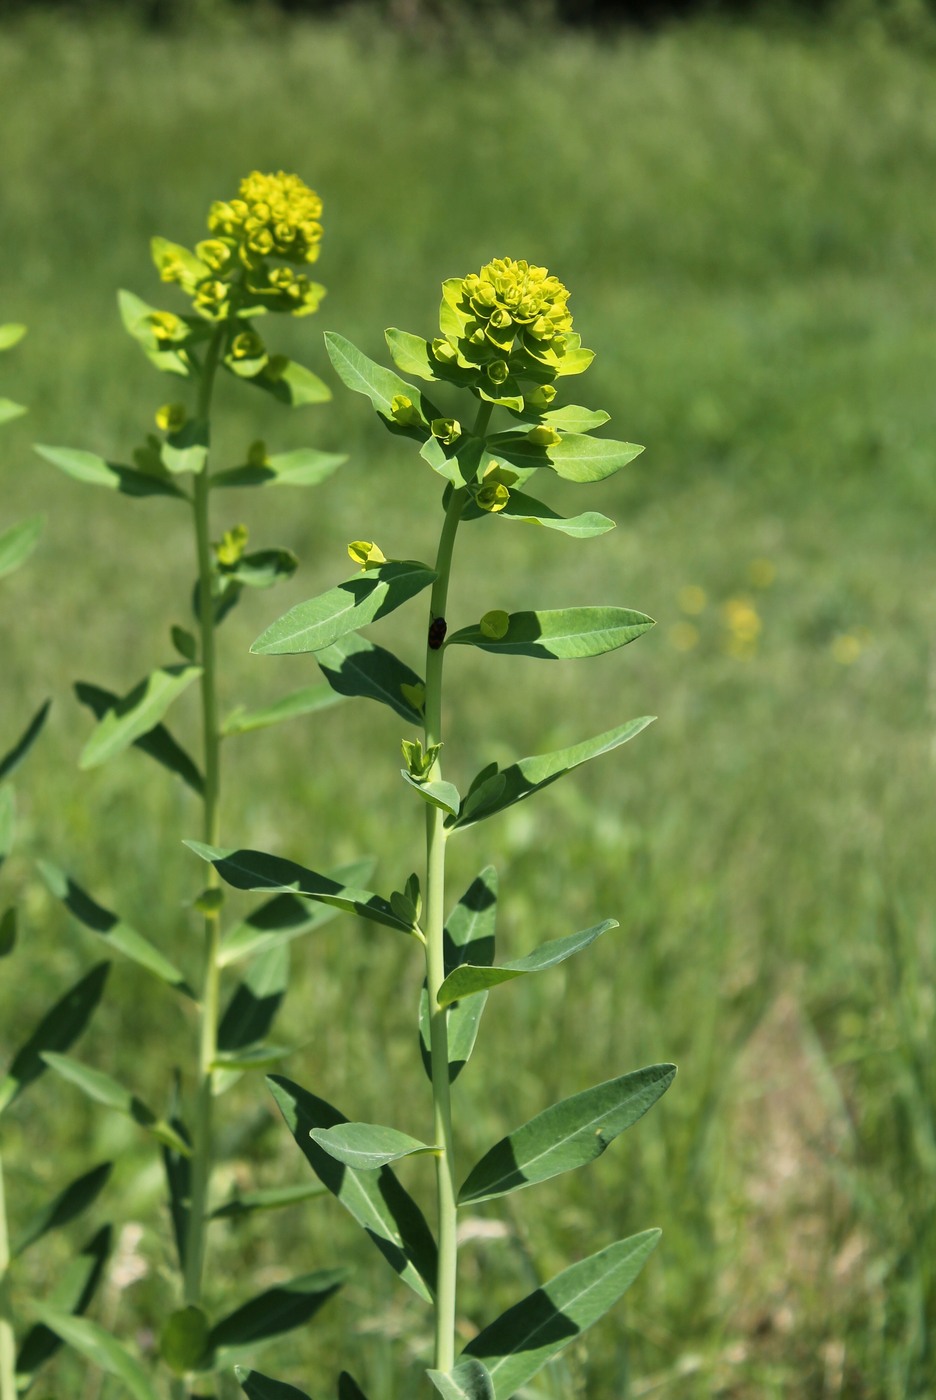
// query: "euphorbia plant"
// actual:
[[253, 263], [506, 345]]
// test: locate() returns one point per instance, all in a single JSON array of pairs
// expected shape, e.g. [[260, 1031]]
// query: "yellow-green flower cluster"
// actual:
[[509, 322], [273, 222]]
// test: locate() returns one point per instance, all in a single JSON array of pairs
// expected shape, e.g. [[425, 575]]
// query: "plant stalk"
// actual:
[[7, 1338], [211, 832]]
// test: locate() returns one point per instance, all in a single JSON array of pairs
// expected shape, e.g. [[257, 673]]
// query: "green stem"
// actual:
[[7, 1339], [211, 829], [435, 965]]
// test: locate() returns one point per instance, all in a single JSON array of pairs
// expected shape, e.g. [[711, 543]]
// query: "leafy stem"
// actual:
[[7, 1343]]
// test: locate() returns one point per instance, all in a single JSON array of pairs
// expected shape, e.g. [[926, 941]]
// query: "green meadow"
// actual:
[[746, 221]]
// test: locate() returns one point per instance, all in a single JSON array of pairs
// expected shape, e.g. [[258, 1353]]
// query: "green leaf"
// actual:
[[307, 701], [457, 462], [11, 333], [101, 1348], [559, 633], [178, 1170], [88, 467], [322, 621], [136, 713], [17, 543], [303, 467], [10, 410], [76, 1197], [522, 779], [276, 1198], [348, 1388], [8, 931], [157, 742], [118, 934], [278, 1310], [380, 385], [571, 418], [437, 794], [353, 666], [368, 1146], [12, 760], [577, 457], [187, 449], [468, 979], [183, 1343], [470, 1380], [259, 1387], [469, 934], [527, 510], [263, 568], [283, 918], [184, 643], [7, 820], [254, 870], [107, 1091], [389, 1216], [134, 312], [410, 353], [567, 1135], [58, 1030], [77, 1285], [291, 383], [255, 1001], [528, 1335]]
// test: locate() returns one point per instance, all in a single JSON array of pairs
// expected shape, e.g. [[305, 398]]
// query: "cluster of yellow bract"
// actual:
[[275, 215], [509, 321]]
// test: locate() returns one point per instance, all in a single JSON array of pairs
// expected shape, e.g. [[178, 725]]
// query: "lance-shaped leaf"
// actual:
[[10, 410], [504, 787], [12, 760], [285, 917], [290, 383], [101, 1348], [468, 936], [186, 450], [260, 1387], [76, 1286], [528, 1335], [107, 1091], [558, 633], [567, 1135], [469, 1380], [303, 467], [11, 333], [8, 922], [178, 1170], [137, 713], [135, 314], [348, 1388], [577, 457], [389, 1216], [322, 621], [528, 511], [571, 418], [437, 793], [119, 935], [254, 870], [57, 1030], [457, 462], [368, 1146], [17, 543], [96, 471], [276, 1198], [307, 701], [157, 742], [468, 979], [380, 385], [76, 1197], [354, 666], [255, 1001], [411, 353], [278, 1310], [263, 568]]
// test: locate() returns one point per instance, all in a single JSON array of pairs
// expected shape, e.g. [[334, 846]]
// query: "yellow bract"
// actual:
[[367, 554], [170, 417], [231, 546]]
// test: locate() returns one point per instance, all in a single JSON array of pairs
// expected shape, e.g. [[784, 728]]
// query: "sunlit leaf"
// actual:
[[137, 713], [469, 1380], [368, 1146], [17, 543], [560, 633], [101, 1348], [107, 1091], [76, 1286], [12, 760], [157, 743], [324, 620], [88, 467], [58, 1030], [354, 666], [303, 467], [307, 701], [467, 979], [278, 1310], [276, 1198]]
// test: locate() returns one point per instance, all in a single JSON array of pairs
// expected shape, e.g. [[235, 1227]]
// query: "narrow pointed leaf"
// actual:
[[260, 1055], [178, 1170], [468, 936], [307, 701], [17, 543], [437, 794], [101, 1348], [77, 1285], [276, 1198], [577, 457], [529, 775], [285, 917], [470, 1380], [278, 1310], [468, 979], [567, 1135], [263, 568], [118, 934], [292, 384], [380, 385], [157, 742], [10, 410], [255, 1001], [137, 713], [527, 510], [559, 633], [354, 666], [348, 1388], [8, 921], [12, 760], [57, 1030], [303, 467], [75, 1198], [254, 870], [368, 1146], [260, 1387], [410, 353], [107, 1091], [528, 1335], [322, 621], [96, 471], [572, 418], [378, 1202], [11, 333]]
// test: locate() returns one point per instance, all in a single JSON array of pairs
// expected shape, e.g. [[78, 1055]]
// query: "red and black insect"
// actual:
[[437, 630]]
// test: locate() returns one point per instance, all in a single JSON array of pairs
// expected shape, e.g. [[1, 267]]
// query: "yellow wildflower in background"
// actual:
[[762, 572], [683, 636], [744, 626], [692, 599]]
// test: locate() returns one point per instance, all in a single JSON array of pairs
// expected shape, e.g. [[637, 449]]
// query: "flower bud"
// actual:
[[543, 436], [247, 346], [492, 496], [231, 546], [367, 554], [171, 417], [447, 430], [405, 412]]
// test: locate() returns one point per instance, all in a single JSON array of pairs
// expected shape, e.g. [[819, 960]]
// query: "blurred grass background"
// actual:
[[746, 222]]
